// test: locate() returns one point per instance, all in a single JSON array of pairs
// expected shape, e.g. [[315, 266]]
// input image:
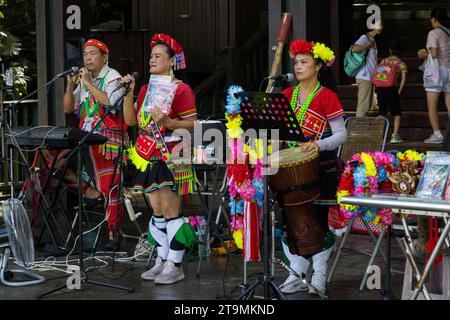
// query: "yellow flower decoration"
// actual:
[[238, 237], [258, 153], [345, 193], [371, 168], [321, 51], [377, 220], [410, 155], [234, 126]]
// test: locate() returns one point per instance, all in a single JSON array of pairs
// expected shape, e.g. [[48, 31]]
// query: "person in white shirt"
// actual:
[[367, 44]]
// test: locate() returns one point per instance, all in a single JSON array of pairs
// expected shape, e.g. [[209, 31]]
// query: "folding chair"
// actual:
[[364, 134]]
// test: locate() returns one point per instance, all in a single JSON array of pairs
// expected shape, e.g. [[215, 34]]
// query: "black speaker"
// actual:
[[210, 141]]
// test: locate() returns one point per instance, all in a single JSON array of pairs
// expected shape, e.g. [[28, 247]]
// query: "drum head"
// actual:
[[289, 157]]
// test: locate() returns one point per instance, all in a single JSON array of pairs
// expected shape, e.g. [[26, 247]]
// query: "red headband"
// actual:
[[96, 43]]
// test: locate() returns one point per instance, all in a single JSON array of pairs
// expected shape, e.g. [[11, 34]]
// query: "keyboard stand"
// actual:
[[47, 209], [48, 213]]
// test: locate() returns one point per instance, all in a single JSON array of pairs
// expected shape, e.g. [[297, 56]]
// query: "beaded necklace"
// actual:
[[302, 113], [92, 110]]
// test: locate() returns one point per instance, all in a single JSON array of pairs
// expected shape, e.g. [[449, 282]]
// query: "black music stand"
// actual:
[[267, 112], [81, 144], [216, 159]]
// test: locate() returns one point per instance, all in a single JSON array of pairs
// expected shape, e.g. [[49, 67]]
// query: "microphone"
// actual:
[[135, 75], [289, 77], [72, 70]]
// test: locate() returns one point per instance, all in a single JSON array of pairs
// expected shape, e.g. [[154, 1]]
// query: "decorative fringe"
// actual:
[[187, 236], [139, 162], [184, 179], [111, 152]]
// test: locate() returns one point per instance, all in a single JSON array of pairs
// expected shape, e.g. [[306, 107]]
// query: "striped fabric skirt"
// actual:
[[158, 176]]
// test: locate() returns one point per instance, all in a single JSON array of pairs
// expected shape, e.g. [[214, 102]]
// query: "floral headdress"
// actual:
[[317, 49], [180, 59]]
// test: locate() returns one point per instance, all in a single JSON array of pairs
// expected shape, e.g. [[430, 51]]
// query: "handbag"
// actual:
[[146, 147], [431, 78], [354, 61]]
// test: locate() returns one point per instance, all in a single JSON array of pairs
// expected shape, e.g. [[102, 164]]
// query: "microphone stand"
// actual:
[[14, 105], [84, 278]]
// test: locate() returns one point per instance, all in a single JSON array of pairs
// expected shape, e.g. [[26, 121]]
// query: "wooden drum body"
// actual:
[[297, 184], [305, 237], [297, 180]]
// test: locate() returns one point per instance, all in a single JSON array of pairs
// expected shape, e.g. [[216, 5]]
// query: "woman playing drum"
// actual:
[[321, 116]]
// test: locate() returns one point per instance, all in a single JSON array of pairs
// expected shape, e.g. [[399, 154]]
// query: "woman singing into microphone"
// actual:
[[163, 106]]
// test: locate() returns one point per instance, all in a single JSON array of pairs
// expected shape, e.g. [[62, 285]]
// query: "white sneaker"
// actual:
[[171, 274], [292, 285], [151, 274], [435, 138]]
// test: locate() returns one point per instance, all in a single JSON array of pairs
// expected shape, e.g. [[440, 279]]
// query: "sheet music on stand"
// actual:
[[271, 111]]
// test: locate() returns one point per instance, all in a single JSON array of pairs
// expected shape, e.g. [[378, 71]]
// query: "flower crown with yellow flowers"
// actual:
[[317, 49]]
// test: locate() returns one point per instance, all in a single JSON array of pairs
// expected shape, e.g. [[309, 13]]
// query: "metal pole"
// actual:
[[431, 261]]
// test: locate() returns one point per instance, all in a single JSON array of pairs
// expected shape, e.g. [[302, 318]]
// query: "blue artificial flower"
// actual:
[[369, 215], [233, 108], [359, 176], [382, 174], [259, 186], [231, 98], [236, 207]]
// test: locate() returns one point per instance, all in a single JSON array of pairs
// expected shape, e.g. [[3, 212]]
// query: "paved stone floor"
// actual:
[[216, 281], [220, 276]]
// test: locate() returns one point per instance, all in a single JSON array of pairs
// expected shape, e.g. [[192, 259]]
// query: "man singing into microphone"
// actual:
[[97, 88]]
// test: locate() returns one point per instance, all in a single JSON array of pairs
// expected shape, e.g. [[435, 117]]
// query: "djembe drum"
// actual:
[[297, 186]]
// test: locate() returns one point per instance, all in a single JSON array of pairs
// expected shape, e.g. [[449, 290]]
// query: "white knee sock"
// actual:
[[297, 263], [158, 230], [176, 249]]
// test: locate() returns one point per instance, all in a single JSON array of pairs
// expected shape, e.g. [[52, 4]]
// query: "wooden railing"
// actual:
[[245, 66]]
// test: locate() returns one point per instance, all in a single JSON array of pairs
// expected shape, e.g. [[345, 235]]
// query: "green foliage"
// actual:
[[10, 48], [9, 44], [108, 26], [20, 81], [108, 15]]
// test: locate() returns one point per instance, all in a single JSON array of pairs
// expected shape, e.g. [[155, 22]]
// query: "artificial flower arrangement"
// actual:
[[245, 171], [196, 222], [410, 155], [367, 174]]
